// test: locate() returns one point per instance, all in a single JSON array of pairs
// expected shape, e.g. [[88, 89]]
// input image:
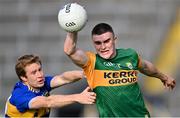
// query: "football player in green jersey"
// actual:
[[112, 73]]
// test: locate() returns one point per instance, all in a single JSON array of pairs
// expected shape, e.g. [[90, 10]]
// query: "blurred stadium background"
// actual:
[[152, 27]]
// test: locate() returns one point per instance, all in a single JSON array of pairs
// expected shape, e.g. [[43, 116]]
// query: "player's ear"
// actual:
[[115, 39], [23, 78]]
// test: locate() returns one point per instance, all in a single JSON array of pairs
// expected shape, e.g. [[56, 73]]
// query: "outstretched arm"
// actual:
[[78, 56], [149, 69], [66, 77], [86, 97]]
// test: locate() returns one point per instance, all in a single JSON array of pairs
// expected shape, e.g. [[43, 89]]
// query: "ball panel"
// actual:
[[72, 17]]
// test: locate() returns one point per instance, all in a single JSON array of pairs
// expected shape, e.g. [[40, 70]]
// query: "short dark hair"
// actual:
[[102, 28], [24, 61]]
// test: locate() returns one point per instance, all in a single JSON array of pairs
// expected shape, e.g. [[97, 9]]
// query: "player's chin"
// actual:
[[105, 56], [40, 85]]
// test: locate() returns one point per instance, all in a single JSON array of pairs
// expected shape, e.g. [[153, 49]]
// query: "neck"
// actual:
[[31, 88], [114, 54]]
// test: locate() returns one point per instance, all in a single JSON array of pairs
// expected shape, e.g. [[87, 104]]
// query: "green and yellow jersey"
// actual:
[[115, 83]]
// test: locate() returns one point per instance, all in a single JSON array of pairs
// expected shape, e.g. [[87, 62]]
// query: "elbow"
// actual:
[[69, 51]]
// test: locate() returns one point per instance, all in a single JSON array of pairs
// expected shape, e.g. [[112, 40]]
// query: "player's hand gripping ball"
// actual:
[[72, 17]]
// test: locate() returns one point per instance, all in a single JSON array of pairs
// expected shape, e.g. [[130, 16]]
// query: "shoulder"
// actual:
[[47, 83], [19, 89], [91, 59], [21, 94], [89, 53], [127, 50], [49, 78]]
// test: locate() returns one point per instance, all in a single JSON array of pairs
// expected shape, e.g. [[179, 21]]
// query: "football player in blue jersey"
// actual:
[[30, 96]]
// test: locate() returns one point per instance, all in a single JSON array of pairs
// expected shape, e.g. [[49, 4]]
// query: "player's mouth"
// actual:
[[41, 81], [104, 52]]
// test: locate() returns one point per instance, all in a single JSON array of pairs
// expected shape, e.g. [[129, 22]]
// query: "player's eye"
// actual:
[[97, 42], [33, 72], [40, 69], [107, 41]]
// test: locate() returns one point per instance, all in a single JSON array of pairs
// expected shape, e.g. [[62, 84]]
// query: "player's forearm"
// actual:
[[61, 100], [52, 101], [70, 43], [85, 97]]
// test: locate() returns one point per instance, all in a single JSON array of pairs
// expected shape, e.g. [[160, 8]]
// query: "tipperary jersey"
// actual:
[[115, 83], [18, 103]]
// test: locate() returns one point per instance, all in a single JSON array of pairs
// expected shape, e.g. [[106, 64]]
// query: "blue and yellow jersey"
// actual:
[[18, 103], [115, 83]]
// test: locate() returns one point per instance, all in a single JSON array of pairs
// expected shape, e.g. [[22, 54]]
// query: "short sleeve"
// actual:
[[89, 67]]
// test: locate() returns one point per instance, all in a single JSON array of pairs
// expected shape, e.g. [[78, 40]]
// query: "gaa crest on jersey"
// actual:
[[129, 65]]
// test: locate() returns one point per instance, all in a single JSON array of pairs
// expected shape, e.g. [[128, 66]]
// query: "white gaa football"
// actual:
[[72, 17]]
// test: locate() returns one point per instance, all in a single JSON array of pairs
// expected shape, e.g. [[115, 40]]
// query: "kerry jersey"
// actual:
[[18, 103], [115, 83]]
